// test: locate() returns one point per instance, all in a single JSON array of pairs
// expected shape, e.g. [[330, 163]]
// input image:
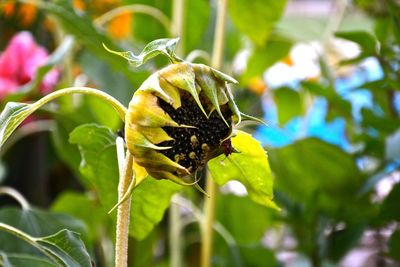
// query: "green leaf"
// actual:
[[23, 260], [196, 23], [19, 230], [12, 116], [288, 104], [2, 171], [67, 152], [153, 27], [364, 39], [149, 202], [64, 248], [67, 247], [389, 210], [256, 18], [394, 245], [257, 255], [232, 209], [82, 28], [250, 167], [341, 241], [99, 165], [14, 113], [384, 124], [34, 222], [109, 81], [316, 171], [99, 160], [104, 113], [84, 208], [265, 56], [164, 46]]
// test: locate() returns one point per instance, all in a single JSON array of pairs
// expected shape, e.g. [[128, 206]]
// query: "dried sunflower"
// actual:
[[181, 117]]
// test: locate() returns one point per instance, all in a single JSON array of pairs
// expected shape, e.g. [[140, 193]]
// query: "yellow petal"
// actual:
[[152, 161], [155, 135], [152, 85], [172, 92], [144, 111], [140, 173], [182, 76]]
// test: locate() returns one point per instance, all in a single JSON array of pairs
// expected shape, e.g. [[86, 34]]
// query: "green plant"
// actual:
[[153, 106]]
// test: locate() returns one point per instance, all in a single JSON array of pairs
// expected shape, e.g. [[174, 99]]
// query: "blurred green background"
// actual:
[[324, 75]]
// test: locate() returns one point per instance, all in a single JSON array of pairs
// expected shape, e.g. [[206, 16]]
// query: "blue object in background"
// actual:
[[313, 123]]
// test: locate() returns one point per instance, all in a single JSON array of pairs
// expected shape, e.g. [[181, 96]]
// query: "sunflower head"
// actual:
[[181, 117]]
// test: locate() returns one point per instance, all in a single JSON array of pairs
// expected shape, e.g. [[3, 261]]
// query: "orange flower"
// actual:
[[121, 26], [288, 61], [257, 85], [27, 14], [79, 5], [8, 9]]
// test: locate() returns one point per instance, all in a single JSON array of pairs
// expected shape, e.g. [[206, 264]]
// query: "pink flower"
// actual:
[[19, 63]]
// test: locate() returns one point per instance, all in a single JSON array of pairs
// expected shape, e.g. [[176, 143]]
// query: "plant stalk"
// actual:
[[135, 8], [86, 91], [175, 238], [208, 222], [123, 216], [5, 190], [218, 47], [211, 186], [178, 7]]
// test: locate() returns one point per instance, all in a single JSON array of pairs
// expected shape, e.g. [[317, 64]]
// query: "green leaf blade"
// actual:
[[256, 18], [250, 167], [165, 46], [265, 56], [150, 201], [313, 171], [12, 116], [22, 260], [150, 198], [67, 247], [99, 160]]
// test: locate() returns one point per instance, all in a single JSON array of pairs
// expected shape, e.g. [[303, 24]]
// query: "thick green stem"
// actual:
[[87, 91], [122, 234], [208, 222], [211, 187], [177, 23], [175, 238], [218, 48]]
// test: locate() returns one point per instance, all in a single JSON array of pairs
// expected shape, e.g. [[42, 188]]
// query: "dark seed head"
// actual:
[[209, 132]]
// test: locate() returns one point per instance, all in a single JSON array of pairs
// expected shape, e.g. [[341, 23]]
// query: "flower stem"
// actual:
[[218, 48], [123, 216], [211, 186], [208, 222], [86, 91], [178, 17], [135, 9], [5, 190]]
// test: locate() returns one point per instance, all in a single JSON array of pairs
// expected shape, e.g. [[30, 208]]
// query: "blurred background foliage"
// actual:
[[325, 76]]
